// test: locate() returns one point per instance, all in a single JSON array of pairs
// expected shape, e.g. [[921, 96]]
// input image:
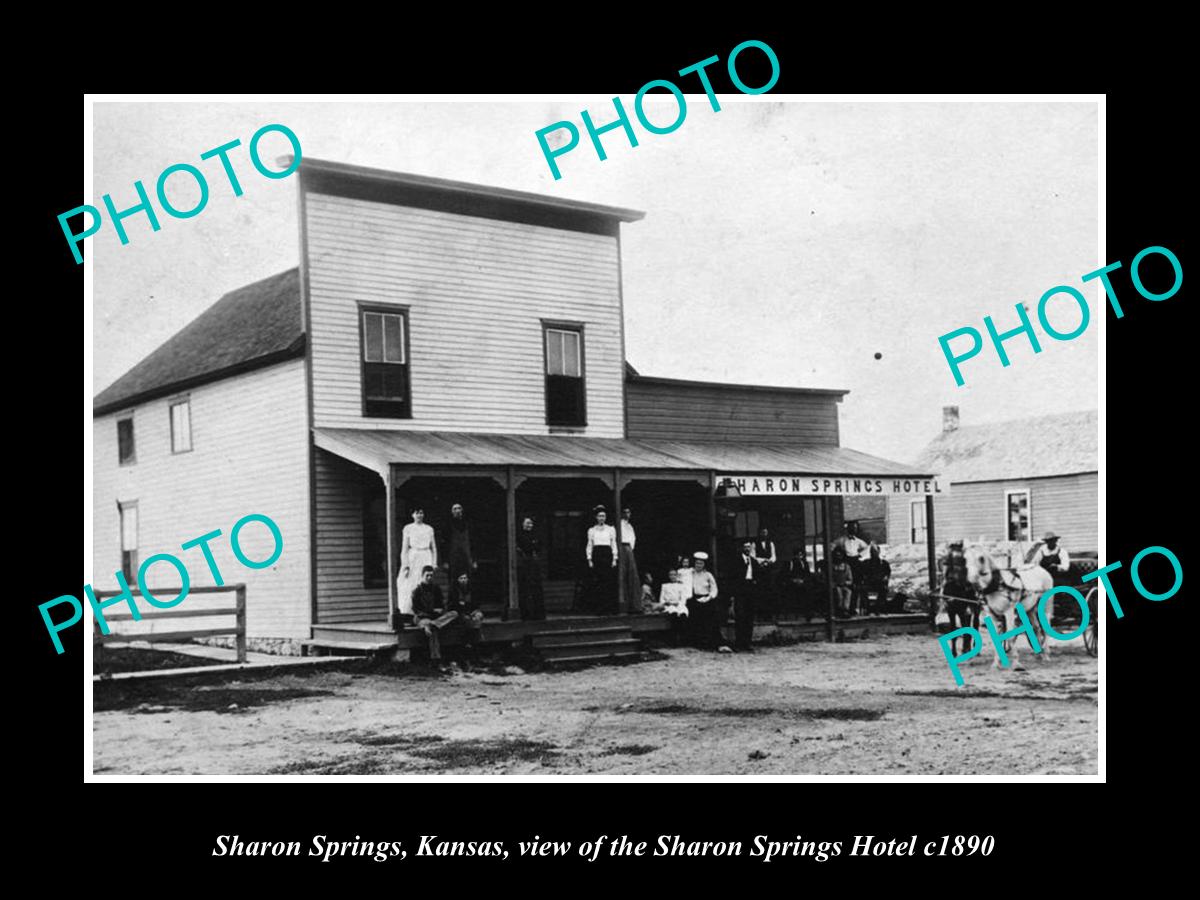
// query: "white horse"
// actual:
[[1001, 590]]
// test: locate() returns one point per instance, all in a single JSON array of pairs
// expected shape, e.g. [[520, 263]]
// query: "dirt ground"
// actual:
[[887, 706]]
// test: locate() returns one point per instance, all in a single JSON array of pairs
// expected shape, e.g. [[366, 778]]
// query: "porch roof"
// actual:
[[376, 449]]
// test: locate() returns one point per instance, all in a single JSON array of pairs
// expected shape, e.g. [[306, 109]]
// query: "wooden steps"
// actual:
[[578, 645], [332, 647]]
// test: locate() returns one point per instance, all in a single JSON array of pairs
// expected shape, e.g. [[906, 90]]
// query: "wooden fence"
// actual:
[[238, 611]]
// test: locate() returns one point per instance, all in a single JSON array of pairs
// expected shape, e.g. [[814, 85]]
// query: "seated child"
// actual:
[[674, 595]]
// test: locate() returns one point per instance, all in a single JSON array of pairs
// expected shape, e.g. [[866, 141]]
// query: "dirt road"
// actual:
[[873, 707]]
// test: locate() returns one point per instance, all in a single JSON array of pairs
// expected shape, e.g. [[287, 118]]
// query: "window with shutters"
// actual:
[[385, 372], [566, 397]]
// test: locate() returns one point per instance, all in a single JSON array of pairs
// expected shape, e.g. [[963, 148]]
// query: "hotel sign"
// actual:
[[814, 486]]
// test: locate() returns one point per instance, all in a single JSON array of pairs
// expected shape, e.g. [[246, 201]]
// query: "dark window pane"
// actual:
[[374, 381], [129, 565], [373, 337], [564, 400], [125, 449], [385, 387]]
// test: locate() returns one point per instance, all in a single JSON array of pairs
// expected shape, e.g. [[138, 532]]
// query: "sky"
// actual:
[[785, 242]]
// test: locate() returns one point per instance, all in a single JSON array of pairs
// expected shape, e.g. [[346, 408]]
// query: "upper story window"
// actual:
[[181, 426], [385, 381], [566, 404], [126, 451]]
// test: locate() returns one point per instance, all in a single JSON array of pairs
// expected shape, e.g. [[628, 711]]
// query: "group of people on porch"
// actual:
[[759, 579]]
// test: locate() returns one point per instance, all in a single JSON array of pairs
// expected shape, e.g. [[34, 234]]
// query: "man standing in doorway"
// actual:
[[459, 559], [768, 561], [853, 547], [750, 573]]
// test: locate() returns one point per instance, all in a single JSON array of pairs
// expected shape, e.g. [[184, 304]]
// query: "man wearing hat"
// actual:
[[953, 605], [703, 609], [1050, 555]]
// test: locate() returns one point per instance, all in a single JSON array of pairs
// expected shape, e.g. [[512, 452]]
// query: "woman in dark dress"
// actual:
[[529, 573], [602, 564]]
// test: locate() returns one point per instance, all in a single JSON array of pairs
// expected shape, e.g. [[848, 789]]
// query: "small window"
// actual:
[[1016, 504], [565, 393], [129, 540], [918, 531], [385, 364], [181, 426], [126, 452]]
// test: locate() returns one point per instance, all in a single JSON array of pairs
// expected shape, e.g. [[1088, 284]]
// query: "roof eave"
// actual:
[[295, 351], [464, 188]]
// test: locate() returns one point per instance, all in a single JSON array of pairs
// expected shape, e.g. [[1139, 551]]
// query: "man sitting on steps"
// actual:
[[430, 613], [470, 617]]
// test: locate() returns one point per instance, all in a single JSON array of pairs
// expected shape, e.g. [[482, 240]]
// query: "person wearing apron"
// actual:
[[1051, 556], [418, 548]]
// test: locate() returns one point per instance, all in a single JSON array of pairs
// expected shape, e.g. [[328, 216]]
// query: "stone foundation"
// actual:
[[273, 646]]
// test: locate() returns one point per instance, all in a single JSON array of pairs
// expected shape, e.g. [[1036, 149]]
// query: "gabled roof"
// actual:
[[1036, 447], [256, 325]]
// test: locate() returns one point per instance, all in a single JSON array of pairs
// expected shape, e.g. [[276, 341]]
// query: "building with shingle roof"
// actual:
[[1010, 481]]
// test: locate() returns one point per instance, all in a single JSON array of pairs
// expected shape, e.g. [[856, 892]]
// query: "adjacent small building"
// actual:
[[1010, 482]]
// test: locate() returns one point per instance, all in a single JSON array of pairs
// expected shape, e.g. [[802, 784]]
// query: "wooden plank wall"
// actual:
[[249, 455], [341, 596], [659, 411], [1069, 504], [477, 290]]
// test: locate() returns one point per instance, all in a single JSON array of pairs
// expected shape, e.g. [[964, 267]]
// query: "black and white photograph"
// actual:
[[471, 437]]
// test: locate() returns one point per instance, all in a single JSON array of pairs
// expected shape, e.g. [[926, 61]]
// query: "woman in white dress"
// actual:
[[418, 548]]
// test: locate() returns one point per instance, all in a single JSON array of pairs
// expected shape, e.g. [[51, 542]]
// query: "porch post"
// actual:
[[712, 522], [510, 532], [930, 545], [825, 524], [623, 601], [390, 512]]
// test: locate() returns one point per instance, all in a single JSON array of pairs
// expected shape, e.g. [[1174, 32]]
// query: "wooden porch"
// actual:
[[376, 637]]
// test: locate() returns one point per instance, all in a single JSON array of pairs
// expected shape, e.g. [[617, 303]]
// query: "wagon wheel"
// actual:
[[1090, 635]]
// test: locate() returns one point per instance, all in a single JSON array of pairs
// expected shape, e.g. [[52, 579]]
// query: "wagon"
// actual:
[[1080, 566]]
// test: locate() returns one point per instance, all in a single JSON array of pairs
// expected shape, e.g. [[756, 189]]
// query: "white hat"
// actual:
[[700, 554]]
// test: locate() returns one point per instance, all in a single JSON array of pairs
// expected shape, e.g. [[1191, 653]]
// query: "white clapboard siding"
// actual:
[[250, 455], [341, 595], [1068, 504], [477, 290]]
